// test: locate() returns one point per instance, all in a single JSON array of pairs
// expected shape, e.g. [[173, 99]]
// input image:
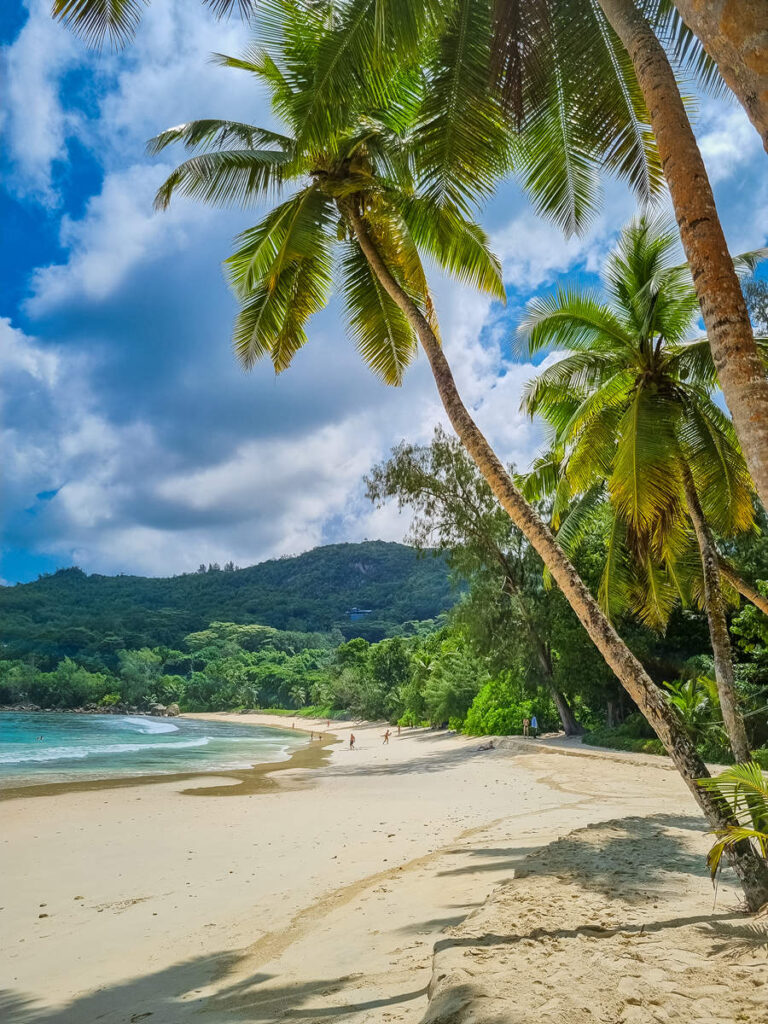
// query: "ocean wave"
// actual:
[[149, 726], [78, 753]]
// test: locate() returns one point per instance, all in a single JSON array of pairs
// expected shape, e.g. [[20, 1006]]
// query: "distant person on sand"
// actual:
[[535, 726], [398, 728], [351, 741], [387, 734], [526, 723]]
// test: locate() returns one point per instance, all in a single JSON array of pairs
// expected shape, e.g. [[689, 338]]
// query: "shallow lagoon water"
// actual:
[[56, 746]]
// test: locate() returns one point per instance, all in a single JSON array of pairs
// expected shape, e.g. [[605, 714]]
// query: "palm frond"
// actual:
[[573, 319], [685, 47], [581, 518], [645, 481], [235, 177], [615, 589], [720, 473], [215, 133], [287, 234], [98, 20], [458, 245], [381, 332], [462, 144]]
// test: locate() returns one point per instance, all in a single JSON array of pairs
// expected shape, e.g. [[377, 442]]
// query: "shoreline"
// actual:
[[242, 781]]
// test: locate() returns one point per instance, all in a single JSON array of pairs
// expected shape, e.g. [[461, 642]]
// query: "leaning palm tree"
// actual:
[[631, 407], [564, 73], [590, 84], [359, 189]]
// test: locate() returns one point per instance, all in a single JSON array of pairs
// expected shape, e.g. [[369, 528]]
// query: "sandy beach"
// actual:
[[323, 891]]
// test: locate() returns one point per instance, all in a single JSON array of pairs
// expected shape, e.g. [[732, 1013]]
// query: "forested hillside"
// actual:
[[91, 618]]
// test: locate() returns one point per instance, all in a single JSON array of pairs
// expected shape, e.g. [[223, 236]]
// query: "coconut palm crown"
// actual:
[[284, 268], [633, 418]]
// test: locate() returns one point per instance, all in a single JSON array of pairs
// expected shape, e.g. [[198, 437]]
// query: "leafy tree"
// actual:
[[457, 513], [364, 184], [140, 673]]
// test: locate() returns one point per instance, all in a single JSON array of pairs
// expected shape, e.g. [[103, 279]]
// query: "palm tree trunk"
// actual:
[[752, 594], [752, 872], [735, 35], [718, 625], [739, 366]]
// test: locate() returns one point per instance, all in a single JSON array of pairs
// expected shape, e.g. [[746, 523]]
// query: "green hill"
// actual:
[[90, 618]]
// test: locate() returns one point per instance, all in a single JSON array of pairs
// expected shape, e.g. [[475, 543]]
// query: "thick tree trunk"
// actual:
[[752, 594], [735, 35], [570, 726], [739, 366], [718, 624], [752, 872]]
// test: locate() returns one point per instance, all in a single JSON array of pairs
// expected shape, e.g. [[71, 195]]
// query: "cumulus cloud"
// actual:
[[118, 230], [727, 140], [37, 123]]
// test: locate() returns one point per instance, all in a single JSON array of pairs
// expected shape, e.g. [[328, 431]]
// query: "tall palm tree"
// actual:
[[631, 406], [361, 188], [740, 366]]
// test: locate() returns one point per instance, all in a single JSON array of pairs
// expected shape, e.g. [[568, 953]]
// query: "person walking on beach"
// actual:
[[387, 734], [351, 741], [398, 728], [526, 723], [535, 726]]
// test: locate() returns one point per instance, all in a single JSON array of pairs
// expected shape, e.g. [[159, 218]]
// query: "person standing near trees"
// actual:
[[535, 726], [526, 723]]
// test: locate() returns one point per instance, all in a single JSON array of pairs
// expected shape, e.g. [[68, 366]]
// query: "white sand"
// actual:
[[319, 899]]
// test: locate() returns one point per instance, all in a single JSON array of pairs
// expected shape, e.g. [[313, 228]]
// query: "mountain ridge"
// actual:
[[90, 617]]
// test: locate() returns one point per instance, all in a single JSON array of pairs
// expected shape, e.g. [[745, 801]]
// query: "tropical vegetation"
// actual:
[[635, 427]]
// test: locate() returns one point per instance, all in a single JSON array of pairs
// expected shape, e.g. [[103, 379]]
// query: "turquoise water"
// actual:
[[48, 747]]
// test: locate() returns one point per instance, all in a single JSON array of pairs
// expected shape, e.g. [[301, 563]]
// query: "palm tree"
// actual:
[[361, 188], [631, 407], [740, 367]]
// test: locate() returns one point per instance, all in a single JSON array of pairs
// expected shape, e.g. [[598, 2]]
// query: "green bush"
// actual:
[[616, 740], [497, 710], [761, 756]]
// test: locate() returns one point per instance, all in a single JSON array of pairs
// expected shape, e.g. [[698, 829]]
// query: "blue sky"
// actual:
[[131, 440]]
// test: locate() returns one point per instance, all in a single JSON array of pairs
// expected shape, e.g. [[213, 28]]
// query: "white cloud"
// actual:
[[36, 123], [118, 231], [727, 140]]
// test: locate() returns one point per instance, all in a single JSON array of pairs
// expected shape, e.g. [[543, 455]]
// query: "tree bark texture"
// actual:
[[718, 624], [735, 35], [740, 368], [752, 872]]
